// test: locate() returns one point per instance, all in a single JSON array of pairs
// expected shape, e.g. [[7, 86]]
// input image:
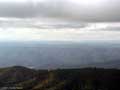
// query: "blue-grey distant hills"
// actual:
[[60, 54]]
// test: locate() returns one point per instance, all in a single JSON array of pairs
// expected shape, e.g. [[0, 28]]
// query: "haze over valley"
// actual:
[[44, 55]]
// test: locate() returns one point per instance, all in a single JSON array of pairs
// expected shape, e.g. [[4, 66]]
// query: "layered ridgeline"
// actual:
[[60, 54], [18, 77]]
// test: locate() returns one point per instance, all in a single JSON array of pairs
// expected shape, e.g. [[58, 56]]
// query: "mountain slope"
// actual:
[[61, 79]]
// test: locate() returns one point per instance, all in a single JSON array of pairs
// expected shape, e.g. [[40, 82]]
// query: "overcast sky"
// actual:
[[67, 20]]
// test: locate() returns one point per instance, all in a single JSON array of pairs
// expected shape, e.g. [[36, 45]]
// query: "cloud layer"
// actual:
[[71, 10], [59, 20], [25, 31]]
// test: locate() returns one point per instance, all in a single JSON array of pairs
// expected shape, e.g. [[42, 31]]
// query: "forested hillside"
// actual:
[[18, 77]]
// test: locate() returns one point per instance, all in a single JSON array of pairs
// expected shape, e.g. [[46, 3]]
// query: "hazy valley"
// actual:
[[43, 55]]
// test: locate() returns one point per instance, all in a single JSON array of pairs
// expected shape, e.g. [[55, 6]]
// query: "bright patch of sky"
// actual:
[[35, 30]]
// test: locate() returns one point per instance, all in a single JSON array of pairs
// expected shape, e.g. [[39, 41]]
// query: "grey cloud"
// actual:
[[28, 23], [112, 28], [16, 10], [39, 25], [108, 11]]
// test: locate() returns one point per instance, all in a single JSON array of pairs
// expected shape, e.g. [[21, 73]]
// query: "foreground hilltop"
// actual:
[[18, 77]]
